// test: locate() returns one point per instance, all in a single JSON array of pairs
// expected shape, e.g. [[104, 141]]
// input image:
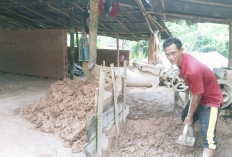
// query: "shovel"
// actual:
[[187, 138]]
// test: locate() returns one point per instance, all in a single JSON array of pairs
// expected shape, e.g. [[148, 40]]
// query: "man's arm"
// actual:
[[196, 98]]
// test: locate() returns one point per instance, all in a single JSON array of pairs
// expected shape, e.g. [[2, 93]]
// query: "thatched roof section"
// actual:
[[132, 22]]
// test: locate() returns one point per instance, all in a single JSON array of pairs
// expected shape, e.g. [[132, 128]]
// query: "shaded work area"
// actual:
[[86, 115]]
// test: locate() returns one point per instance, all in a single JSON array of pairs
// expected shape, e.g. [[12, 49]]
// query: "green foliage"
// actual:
[[143, 49], [206, 44], [202, 37]]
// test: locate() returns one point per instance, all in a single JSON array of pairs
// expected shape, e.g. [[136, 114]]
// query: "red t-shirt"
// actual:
[[201, 80]]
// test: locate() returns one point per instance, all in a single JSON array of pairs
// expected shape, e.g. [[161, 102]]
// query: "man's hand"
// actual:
[[188, 120]]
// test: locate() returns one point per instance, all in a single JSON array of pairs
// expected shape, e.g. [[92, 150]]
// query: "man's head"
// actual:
[[173, 50]]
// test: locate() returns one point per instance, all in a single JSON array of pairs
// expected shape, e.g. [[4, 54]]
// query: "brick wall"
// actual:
[[34, 52]]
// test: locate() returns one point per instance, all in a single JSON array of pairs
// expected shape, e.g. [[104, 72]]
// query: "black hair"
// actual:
[[170, 41]]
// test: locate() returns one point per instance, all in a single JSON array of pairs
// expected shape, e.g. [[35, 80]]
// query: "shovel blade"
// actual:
[[190, 141]]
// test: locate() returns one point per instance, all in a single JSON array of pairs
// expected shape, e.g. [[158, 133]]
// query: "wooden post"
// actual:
[[77, 42], [115, 98], [230, 46], [138, 49], [118, 63], [123, 44], [93, 27], [71, 42], [124, 90], [100, 112]]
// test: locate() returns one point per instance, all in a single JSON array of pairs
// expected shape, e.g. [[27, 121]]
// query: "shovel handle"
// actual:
[[184, 137]]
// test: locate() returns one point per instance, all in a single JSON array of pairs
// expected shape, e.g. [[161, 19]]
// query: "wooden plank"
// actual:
[[90, 147], [100, 111], [108, 91], [115, 97], [124, 89], [230, 46], [108, 116]]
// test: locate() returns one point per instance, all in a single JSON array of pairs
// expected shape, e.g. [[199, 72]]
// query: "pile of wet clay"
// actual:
[[64, 111]]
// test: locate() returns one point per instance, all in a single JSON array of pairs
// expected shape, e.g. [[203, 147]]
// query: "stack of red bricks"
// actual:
[[40, 53]]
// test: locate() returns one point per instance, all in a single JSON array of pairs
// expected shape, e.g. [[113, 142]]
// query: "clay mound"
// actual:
[[63, 111]]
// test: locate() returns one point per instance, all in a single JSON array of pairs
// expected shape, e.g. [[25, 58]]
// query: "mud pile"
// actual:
[[64, 111]]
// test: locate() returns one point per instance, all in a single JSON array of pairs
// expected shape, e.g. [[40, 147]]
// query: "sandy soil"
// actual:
[[153, 126], [63, 111]]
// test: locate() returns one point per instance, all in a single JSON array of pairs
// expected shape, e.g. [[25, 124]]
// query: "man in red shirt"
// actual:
[[206, 93]]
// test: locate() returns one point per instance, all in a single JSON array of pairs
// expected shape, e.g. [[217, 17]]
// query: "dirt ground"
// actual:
[[153, 126], [151, 129]]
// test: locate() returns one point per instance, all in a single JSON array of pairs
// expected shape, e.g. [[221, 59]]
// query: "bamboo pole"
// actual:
[[71, 43], [124, 90], [100, 112], [115, 98], [140, 5], [230, 46], [117, 41]]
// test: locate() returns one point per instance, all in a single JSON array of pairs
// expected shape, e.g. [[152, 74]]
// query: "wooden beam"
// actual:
[[124, 26], [230, 47], [38, 13], [153, 20], [163, 8], [25, 17], [208, 3], [60, 11], [28, 4], [77, 52], [140, 5], [218, 20], [71, 42], [21, 24], [80, 8]]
